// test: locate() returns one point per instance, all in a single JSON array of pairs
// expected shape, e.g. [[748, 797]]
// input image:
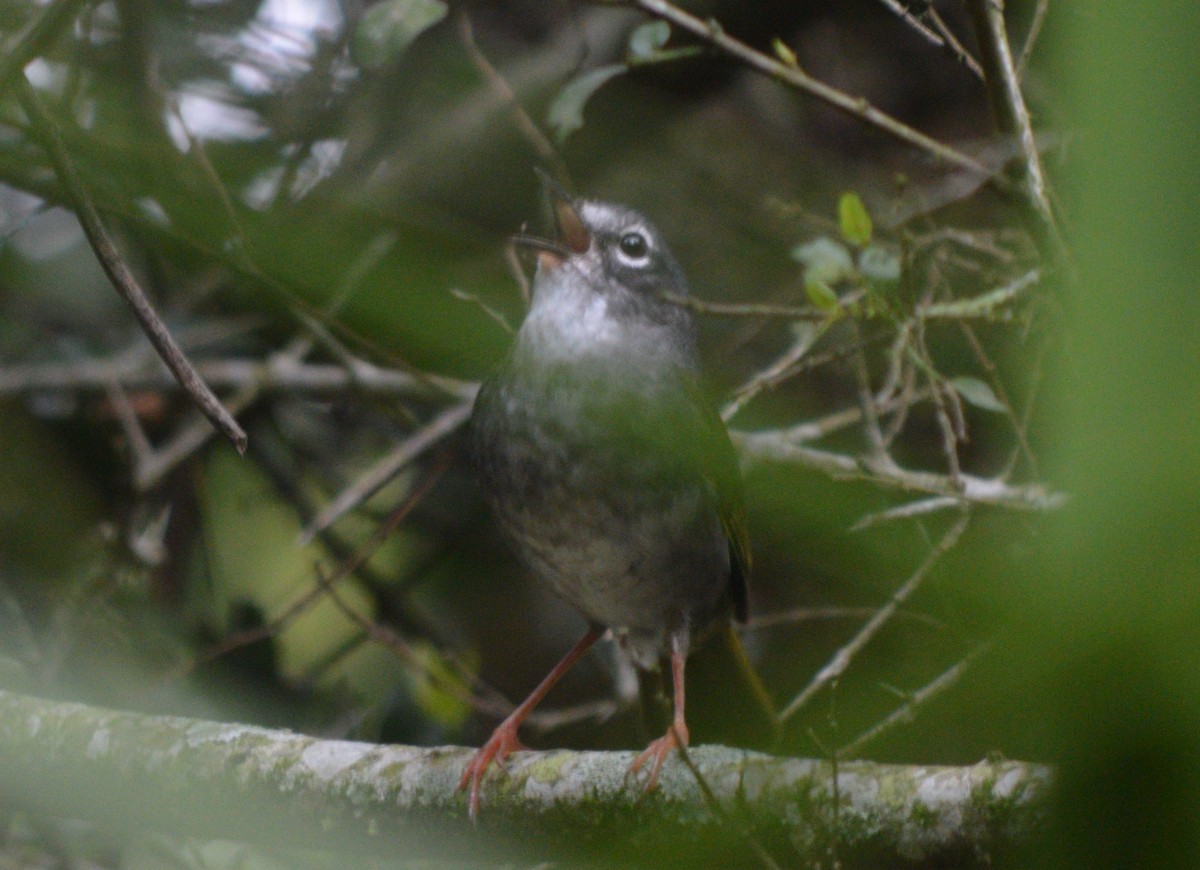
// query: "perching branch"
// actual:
[[237, 782]]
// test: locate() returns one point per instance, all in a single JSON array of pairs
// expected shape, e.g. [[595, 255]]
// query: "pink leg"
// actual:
[[504, 738], [677, 735]]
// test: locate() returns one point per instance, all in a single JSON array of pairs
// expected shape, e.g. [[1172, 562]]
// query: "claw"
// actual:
[[658, 750], [500, 745]]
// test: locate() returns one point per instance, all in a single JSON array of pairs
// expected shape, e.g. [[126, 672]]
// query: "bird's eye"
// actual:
[[634, 246]]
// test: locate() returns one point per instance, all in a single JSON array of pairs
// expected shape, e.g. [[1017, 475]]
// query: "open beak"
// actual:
[[572, 237]]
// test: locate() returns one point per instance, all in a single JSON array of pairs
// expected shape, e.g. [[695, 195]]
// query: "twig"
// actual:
[[388, 467], [34, 38], [812, 614], [953, 44], [313, 595], [1031, 38], [907, 511], [795, 77], [279, 372], [942, 38], [1012, 118], [746, 309], [776, 446], [906, 711], [119, 273], [535, 137], [844, 656], [983, 306], [714, 805], [785, 365]]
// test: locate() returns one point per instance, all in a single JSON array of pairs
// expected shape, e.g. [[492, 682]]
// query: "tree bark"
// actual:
[[132, 773]]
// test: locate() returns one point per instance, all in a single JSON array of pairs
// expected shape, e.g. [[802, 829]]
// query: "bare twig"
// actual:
[[388, 467], [843, 657], [535, 137], [953, 45], [942, 38], [1031, 38], [1012, 118], [906, 711], [313, 595], [34, 39], [777, 446], [795, 77], [120, 274]]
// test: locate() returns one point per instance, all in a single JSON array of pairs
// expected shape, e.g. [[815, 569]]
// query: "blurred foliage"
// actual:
[[343, 174]]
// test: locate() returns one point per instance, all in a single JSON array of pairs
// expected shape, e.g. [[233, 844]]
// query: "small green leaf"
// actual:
[[821, 295], [977, 393], [784, 53], [565, 114], [648, 39], [387, 29], [853, 220], [824, 259], [879, 265]]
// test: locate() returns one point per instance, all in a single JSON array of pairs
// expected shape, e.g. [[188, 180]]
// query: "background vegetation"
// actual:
[[965, 405]]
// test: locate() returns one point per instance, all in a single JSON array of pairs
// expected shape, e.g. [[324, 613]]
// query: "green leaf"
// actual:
[[853, 220], [821, 295], [977, 393], [824, 259], [646, 40], [879, 265], [565, 114], [784, 53], [387, 29]]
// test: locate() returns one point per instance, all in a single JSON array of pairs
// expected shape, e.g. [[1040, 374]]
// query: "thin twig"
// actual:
[[388, 467], [906, 711], [776, 446], [793, 76], [1031, 38], [535, 137], [34, 38], [301, 604], [953, 44], [843, 657], [120, 274], [714, 805], [1012, 118], [941, 38]]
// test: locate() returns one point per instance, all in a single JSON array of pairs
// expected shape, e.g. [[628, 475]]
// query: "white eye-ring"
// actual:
[[634, 248]]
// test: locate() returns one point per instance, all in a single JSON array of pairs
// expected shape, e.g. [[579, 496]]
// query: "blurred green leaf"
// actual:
[[387, 29], [565, 114], [821, 295], [784, 53], [975, 392], [853, 219], [646, 40], [438, 689], [879, 265], [825, 260]]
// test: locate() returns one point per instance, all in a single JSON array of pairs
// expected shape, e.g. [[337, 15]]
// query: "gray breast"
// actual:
[[590, 484]]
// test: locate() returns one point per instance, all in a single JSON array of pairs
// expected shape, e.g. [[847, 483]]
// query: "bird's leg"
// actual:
[[504, 739], [677, 734]]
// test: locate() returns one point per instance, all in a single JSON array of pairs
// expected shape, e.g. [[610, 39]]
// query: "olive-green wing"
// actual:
[[717, 461]]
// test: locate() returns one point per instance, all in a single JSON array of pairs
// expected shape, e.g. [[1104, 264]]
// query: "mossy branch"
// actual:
[[133, 772]]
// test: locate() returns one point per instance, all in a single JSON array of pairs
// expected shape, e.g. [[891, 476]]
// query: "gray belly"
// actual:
[[610, 518]]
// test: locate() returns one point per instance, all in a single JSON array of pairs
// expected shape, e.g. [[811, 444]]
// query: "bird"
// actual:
[[612, 477]]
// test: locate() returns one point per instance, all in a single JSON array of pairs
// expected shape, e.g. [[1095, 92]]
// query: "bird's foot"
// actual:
[[658, 751], [498, 747]]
